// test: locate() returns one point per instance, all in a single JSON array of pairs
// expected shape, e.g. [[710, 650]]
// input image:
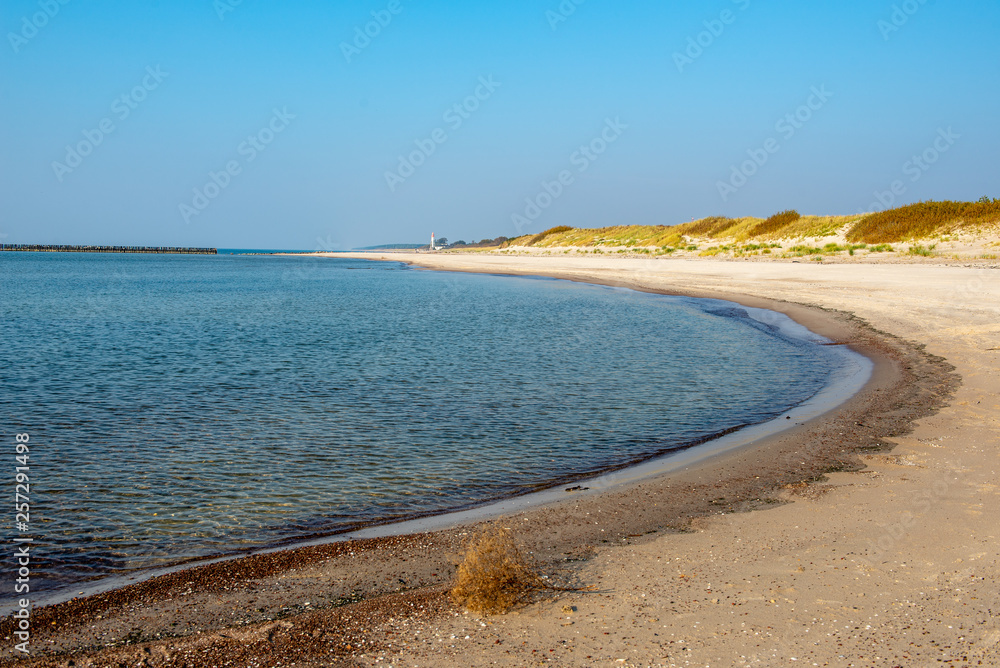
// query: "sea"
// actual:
[[182, 407]]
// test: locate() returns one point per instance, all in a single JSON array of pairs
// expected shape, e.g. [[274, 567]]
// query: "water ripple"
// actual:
[[185, 406]]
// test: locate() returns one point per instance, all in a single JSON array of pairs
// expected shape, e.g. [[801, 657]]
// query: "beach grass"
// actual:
[[925, 251], [773, 224], [872, 232], [923, 220]]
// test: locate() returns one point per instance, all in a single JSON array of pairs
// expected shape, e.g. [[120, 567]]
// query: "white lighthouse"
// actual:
[[433, 247]]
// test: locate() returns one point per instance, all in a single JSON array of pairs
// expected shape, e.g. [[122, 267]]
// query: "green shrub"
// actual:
[[805, 250], [917, 249]]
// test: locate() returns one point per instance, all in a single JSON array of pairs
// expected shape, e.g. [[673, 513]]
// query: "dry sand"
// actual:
[[890, 565]]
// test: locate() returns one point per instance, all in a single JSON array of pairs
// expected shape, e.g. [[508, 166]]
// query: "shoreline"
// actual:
[[780, 461], [850, 382]]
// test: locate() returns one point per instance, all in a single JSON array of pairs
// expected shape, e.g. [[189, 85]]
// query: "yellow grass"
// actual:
[[909, 223], [923, 220]]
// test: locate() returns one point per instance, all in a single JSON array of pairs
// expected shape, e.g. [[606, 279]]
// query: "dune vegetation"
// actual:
[[924, 220], [911, 223]]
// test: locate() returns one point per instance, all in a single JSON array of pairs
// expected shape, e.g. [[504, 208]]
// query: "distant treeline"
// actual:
[[441, 243], [392, 247], [40, 248], [485, 243]]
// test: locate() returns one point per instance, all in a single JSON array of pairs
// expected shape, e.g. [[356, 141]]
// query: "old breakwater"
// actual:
[[107, 249]]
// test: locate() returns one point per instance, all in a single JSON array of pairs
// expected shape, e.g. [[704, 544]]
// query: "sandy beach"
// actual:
[[872, 541]]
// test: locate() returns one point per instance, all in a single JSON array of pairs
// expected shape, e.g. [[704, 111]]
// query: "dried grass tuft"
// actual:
[[495, 576]]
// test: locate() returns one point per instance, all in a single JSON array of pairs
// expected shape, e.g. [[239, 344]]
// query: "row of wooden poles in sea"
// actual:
[[107, 249]]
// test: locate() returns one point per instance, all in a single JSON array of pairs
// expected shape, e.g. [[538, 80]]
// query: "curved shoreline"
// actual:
[[786, 458], [854, 375], [851, 377]]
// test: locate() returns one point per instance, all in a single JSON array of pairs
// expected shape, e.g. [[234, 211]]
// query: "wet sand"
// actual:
[[888, 559]]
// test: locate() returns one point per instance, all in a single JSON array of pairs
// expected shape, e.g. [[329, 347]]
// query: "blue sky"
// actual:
[[267, 125]]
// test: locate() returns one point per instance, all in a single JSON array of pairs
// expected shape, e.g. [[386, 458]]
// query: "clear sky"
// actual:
[[259, 124]]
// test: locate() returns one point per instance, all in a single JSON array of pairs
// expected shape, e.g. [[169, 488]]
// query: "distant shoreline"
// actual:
[[162, 250]]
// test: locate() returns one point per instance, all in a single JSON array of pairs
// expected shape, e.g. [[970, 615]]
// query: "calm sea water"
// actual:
[[183, 406]]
